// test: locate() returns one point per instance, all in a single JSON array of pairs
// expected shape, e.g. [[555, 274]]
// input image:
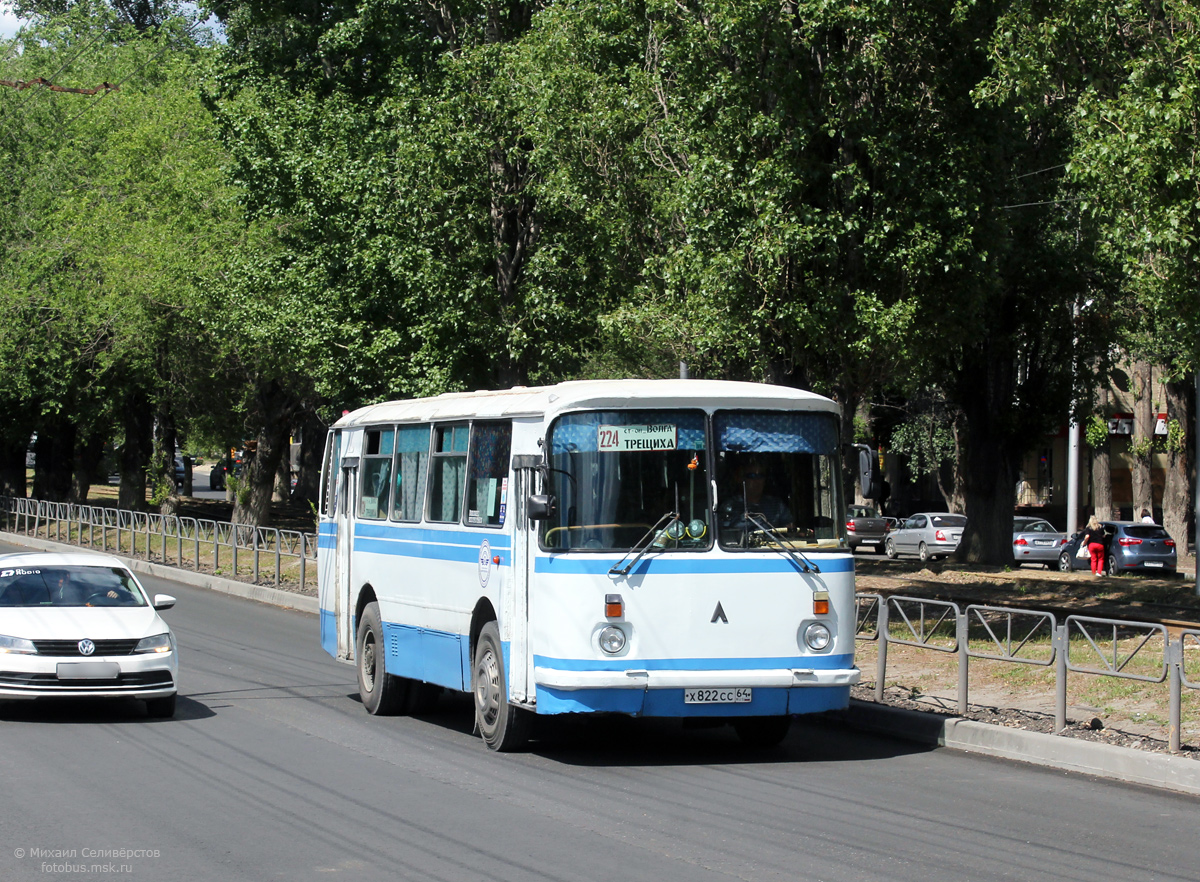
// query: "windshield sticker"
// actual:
[[19, 571], [622, 439]]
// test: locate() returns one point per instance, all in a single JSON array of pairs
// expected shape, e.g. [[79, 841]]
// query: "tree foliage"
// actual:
[[352, 201]]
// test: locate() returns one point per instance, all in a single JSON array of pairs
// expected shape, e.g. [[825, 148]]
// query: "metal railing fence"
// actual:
[[263, 555], [1140, 651]]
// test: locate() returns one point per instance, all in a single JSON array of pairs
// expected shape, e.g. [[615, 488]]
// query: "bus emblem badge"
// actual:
[[719, 613], [485, 563]]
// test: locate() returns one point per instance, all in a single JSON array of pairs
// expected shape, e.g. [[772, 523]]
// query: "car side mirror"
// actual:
[[542, 507], [163, 601]]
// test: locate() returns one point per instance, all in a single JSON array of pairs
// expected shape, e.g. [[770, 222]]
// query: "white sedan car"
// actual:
[[82, 626]]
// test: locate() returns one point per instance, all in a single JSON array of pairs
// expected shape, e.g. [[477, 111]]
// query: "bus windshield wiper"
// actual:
[[760, 520], [643, 544]]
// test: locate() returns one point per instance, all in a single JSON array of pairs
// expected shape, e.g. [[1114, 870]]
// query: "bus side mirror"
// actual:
[[868, 472], [542, 507]]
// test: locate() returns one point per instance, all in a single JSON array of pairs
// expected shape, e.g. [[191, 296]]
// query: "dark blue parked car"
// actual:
[[1129, 547]]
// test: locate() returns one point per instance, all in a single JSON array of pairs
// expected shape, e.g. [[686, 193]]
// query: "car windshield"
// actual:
[[617, 473], [778, 469], [42, 586], [1032, 527]]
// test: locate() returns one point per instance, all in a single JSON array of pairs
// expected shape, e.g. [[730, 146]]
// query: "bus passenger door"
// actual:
[[347, 494], [327, 545], [516, 605]]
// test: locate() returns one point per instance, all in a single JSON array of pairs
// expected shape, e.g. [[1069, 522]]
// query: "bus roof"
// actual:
[[588, 395]]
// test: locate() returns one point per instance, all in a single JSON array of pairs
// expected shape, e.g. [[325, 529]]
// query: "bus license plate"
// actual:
[[737, 695]]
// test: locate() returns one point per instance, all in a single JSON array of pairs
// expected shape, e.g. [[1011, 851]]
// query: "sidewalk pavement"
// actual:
[[1161, 770], [1152, 769]]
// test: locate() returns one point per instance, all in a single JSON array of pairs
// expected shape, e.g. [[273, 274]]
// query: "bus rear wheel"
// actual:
[[382, 694], [502, 726], [762, 731]]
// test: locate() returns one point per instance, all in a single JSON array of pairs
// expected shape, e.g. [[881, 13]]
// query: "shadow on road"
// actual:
[[619, 741], [96, 710]]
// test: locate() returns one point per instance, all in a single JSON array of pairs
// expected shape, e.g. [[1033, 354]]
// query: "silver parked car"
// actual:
[[928, 535], [1036, 541]]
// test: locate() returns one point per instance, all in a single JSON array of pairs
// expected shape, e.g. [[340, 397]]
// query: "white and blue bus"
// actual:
[[671, 548]]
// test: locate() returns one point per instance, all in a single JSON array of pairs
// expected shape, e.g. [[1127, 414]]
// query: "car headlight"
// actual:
[[817, 637], [157, 643], [18, 645], [612, 639]]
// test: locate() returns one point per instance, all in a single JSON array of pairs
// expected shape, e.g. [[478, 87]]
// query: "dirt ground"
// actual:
[[1122, 712]]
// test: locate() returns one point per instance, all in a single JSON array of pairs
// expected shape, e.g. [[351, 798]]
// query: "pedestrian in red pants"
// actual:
[[1093, 537]]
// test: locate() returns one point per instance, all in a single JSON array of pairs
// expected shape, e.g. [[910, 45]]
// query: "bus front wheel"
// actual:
[[503, 727], [382, 694]]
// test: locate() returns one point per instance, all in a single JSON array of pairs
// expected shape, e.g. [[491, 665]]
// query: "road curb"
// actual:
[[260, 593], [1128, 764]]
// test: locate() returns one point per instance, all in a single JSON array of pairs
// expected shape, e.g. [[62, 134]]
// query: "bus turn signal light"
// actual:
[[614, 607], [821, 603]]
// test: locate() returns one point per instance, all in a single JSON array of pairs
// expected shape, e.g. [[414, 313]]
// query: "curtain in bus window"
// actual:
[[412, 456], [449, 473], [762, 432], [487, 490], [448, 477]]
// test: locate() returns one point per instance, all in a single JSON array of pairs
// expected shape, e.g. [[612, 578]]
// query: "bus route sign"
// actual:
[[623, 439]]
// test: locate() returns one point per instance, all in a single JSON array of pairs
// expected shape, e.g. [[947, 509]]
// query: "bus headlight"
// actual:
[[817, 637], [612, 640]]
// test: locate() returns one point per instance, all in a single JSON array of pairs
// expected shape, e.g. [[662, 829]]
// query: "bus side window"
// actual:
[[376, 474], [448, 473], [487, 488], [411, 472], [329, 471]]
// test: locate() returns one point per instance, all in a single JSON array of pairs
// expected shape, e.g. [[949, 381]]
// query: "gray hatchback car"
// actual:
[[1129, 547]]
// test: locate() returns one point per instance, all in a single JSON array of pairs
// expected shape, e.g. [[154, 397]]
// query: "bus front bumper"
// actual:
[[780, 678]]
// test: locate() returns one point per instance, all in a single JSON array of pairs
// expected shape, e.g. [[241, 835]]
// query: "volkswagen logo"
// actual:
[[86, 647]]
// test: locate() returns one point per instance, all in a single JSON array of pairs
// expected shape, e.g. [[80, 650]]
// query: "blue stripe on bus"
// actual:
[[691, 564], [669, 702], [467, 539], [816, 662], [327, 533], [424, 551]]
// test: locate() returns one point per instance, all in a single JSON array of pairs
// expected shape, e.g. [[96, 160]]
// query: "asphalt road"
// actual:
[[272, 769]]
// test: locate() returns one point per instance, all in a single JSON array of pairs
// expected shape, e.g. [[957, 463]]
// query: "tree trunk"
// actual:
[[1102, 467], [283, 475], [1176, 503], [55, 458], [312, 450], [165, 441], [89, 452], [1141, 446], [12, 468], [991, 452], [275, 409], [135, 452], [955, 497]]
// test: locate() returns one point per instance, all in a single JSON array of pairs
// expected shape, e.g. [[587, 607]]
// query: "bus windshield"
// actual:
[[778, 470], [617, 473]]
